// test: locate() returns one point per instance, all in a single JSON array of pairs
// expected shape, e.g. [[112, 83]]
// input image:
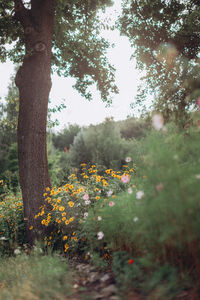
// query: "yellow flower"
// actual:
[[64, 218], [63, 214], [71, 204], [71, 219], [75, 238], [66, 247], [105, 182], [66, 222], [53, 192], [98, 178], [50, 238], [108, 171], [74, 233], [43, 222], [65, 237], [71, 186], [97, 197], [61, 208], [47, 189], [45, 194], [83, 165], [49, 243], [31, 227]]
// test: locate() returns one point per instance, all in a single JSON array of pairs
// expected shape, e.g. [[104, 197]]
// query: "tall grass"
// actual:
[[34, 277]]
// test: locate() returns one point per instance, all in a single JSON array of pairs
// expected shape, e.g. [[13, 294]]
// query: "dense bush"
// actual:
[[142, 220]]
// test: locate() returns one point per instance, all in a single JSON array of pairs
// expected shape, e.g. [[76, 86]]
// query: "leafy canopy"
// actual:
[[78, 49], [166, 41]]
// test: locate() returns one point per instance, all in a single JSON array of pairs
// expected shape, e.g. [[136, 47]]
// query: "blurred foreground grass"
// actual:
[[34, 277]]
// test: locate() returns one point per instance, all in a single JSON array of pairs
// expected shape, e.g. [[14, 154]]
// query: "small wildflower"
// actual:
[[128, 159], [125, 178], [130, 191], [158, 121], [109, 193], [31, 227], [159, 187], [86, 197], [100, 235], [131, 261], [135, 219], [17, 251], [87, 202], [65, 237], [85, 215], [139, 194], [111, 203], [198, 175], [99, 218], [71, 204]]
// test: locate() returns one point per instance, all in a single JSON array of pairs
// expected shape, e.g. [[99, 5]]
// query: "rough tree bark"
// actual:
[[34, 84]]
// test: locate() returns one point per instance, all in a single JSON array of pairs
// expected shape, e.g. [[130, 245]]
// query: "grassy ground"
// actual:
[[35, 277]]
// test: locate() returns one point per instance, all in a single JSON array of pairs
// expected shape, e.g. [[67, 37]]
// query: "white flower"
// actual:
[[85, 215], [109, 193], [135, 219], [130, 191], [100, 235], [139, 194], [158, 121], [3, 238], [99, 218], [17, 251], [128, 159], [87, 202]]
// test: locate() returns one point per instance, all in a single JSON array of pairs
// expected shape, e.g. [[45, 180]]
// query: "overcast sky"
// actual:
[[78, 109]]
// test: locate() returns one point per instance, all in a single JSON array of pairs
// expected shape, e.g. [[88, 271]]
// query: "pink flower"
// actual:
[[100, 235], [198, 176], [128, 159], [130, 191], [158, 121], [111, 203], [159, 187], [125, 178], [86, 197]]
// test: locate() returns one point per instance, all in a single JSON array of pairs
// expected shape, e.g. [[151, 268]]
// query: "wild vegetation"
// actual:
[[122, 196]]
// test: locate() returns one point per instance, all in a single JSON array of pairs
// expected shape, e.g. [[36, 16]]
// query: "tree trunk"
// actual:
[[34, 83]]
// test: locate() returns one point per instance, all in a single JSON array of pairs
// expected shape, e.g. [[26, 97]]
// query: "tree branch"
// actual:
[[22, 14]]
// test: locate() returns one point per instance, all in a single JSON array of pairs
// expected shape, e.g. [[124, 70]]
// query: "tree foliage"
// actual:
[[166, 41], [78, 49]]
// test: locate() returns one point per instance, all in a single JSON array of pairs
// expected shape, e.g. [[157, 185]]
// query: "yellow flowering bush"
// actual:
[[11, 219], [66, 208]]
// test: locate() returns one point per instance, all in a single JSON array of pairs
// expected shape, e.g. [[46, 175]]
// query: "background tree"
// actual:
[[63, 139], [166, 41], [49, 35]]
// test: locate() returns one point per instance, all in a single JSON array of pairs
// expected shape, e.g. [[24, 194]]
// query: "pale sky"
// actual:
[[79, 110]]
